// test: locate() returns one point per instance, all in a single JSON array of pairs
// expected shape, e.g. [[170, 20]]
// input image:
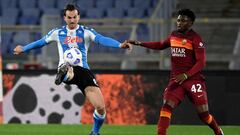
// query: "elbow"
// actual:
[[203, 63]]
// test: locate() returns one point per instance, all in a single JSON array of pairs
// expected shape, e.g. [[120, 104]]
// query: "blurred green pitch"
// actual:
[[52, 129]]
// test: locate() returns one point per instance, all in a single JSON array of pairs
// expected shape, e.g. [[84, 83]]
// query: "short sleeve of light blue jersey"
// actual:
[[102, 40], [51, 36]]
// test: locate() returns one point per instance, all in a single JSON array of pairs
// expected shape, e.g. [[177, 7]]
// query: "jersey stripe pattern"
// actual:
[[79, 37]]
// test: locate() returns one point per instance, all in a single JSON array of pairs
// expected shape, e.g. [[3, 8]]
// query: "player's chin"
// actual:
[[72, 25], [180, 29]]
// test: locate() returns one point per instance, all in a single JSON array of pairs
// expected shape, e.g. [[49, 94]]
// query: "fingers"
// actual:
[[130, 48], [130, 41], [125, 44], [180, 78], [18, 50], [181, 82], [176, 80], [128, 44], [15, 51]]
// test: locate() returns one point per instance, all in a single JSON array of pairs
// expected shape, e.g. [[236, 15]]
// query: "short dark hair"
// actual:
[[71, 7], [187, 12]]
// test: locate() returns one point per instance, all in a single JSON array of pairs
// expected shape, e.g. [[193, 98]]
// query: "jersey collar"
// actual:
[[72, 29]]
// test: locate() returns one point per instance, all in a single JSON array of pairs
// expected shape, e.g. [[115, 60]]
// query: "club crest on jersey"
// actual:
[[72, 39], [184, 42]]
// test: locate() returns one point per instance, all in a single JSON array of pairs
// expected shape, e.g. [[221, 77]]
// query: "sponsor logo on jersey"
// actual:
[[73, 39], [178, 52]]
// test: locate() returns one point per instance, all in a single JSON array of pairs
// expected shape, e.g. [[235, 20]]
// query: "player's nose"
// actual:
[[72, 20]]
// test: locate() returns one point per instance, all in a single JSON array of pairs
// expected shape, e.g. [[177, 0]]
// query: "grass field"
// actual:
[[15, 129]]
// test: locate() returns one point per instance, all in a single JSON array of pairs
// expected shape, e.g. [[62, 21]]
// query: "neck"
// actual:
[[72, 28], [184, 32]]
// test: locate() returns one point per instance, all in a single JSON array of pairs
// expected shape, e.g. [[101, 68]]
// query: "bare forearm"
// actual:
[[154, 45]]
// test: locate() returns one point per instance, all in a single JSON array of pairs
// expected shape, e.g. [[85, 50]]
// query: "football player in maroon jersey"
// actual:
[[186, 79]]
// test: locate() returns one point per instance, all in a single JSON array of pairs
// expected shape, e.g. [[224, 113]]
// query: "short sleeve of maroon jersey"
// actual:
[[200, 54], [157, 45]]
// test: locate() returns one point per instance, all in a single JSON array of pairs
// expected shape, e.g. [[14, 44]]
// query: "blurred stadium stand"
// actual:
[[218, 25], [146, 20], [46, 4], [24, 4], [29, 16]]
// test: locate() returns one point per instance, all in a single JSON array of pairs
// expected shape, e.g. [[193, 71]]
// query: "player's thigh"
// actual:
[[94, 95], [173, 93], [196, 92]]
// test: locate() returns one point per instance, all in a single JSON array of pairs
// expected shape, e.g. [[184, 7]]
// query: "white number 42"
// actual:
[[196, 88]]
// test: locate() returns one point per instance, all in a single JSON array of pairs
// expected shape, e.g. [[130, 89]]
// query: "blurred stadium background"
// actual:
[[218, 22], [24, 21]]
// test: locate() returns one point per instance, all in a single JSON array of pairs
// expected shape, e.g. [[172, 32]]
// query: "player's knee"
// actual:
[[170, 103], [70, 73]]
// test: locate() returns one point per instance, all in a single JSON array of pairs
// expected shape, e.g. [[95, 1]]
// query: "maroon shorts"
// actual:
[[195, 90]]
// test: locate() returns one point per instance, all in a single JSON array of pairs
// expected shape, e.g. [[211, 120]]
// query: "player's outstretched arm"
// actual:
[[18, 49], [37, 44], [151, 45]]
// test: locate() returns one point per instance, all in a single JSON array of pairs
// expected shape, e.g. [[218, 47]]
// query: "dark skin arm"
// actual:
[[178, 79], [134, 42]]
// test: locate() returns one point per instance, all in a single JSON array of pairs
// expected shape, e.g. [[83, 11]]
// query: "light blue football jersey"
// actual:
[[79, 37]]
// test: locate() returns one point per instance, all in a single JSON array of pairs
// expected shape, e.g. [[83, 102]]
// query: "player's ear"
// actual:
[[190, 23]]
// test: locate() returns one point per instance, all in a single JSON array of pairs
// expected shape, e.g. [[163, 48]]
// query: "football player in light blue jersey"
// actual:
[[75, 35]]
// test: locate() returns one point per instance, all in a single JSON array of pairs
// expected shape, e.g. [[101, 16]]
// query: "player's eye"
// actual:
[[181, 20]]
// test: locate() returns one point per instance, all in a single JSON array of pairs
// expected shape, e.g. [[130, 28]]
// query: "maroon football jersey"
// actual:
[[187, 52]]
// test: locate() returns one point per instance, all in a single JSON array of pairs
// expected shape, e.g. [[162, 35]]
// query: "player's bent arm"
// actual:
[[106, 41], [200, 55], [37, 44], [200, 63]]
